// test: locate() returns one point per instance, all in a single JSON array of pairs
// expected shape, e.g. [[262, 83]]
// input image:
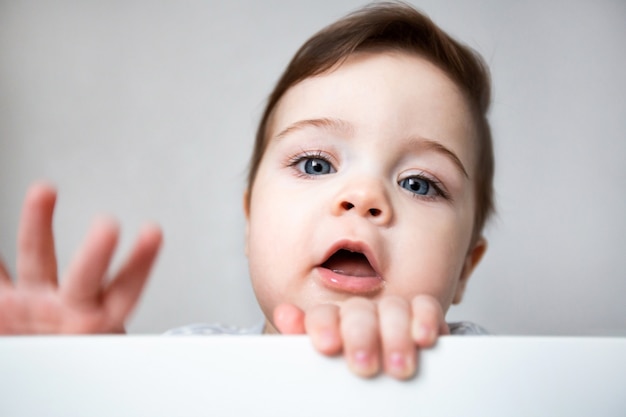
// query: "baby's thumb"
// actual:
[[289, 319]]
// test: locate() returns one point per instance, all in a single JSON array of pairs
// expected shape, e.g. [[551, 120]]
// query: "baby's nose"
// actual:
[[374, 212], [368, 199]]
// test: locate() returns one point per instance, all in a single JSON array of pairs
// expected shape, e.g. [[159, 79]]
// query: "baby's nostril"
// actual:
[[374, 212], [347, 205]]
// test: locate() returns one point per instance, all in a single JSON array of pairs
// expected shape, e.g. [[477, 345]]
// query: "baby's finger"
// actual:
[[428, 320], [399, 352], [122, 294], [5, 277], [36, 258], [359, 330], [288, 319], [83, 281], [322, 325]]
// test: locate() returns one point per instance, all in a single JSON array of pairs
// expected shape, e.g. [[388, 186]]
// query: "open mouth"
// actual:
[[347, 262], [348, 270]]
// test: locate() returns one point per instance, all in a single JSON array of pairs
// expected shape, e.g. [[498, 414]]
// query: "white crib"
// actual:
[[284, 376]]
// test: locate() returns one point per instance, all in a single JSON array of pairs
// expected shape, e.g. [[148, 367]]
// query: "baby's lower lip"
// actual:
[[348, 283]]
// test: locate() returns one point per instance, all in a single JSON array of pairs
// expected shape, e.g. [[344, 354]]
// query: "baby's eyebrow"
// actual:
[[440, 148], [323, 123]]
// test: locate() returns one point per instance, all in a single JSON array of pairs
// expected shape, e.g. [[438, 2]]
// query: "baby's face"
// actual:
[[365, 187]]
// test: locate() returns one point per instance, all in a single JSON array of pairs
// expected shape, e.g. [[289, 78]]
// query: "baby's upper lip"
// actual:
[[354, 246]]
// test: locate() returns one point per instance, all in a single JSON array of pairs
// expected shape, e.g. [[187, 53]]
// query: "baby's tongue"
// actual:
[[350, 263]]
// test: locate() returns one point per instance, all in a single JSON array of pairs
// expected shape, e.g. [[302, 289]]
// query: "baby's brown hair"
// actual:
[[395, 26]]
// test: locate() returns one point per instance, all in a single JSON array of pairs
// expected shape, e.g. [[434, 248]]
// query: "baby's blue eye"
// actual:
[[315, 166], [416, 185]]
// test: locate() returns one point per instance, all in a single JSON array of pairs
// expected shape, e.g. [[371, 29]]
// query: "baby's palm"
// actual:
[[84, 302], [46, 312]]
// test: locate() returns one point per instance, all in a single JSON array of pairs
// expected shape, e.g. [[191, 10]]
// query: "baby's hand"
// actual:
[[372, 335], [84, 302]]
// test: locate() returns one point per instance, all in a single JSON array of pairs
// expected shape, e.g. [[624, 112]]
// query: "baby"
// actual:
[[369, 186]]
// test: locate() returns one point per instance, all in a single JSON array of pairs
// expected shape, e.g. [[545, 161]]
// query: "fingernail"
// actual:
[[361, 357], [401, 366], [363, 363], [328, 340], [397, 360]]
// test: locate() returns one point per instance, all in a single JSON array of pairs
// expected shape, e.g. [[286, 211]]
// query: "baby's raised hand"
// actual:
[[84, 302], [372, 335]]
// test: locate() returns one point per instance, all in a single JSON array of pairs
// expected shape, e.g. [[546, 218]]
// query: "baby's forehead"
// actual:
[[379, 64], [394, 89]]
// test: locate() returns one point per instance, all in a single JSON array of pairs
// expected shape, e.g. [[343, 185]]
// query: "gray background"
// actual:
[[147, 110]]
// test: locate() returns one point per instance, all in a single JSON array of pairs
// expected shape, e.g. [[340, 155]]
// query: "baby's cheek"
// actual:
[[266, 302], [433, 273]]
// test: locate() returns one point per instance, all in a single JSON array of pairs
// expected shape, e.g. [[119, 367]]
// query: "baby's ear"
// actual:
[[472, 259]]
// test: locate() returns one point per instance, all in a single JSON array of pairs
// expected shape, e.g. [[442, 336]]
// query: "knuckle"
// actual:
[[425, 307], [357, 303], [321, 316], [394, 303]]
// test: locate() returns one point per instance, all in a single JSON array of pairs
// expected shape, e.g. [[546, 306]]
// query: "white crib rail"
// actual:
[[283, 376]]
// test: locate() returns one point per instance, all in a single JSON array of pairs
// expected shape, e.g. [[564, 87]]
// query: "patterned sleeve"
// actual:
[[466, 328], [203, 329], [461, 328]]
